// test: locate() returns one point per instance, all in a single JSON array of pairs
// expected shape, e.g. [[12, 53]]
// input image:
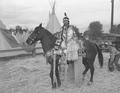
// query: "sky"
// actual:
[[30, 13]]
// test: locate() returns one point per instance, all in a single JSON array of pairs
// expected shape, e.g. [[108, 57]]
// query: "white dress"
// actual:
[[71, 46]]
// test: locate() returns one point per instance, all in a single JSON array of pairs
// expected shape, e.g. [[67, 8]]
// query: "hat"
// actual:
[[65, 18]]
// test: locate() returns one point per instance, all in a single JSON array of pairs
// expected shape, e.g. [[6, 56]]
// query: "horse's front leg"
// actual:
[[57, 72], [49, 60], [52, 77]]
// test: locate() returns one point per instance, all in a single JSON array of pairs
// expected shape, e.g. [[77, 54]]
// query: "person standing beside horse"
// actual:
[[114, 57], [70, 48]]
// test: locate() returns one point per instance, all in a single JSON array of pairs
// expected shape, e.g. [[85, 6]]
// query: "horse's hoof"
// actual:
[[89, 83], [59, 84], [83, 79], [54, 85], [111, 68], [118, 68]]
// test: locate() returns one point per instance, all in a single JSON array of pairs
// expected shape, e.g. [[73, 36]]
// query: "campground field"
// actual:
[[31, 75]]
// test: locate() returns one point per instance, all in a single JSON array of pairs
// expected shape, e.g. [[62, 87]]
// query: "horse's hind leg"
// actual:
[[86, 67], [85, 71], [92, 73]]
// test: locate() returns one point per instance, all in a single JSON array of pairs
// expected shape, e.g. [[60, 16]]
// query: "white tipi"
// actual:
[[7, 42], [4, 45], [53, 24]]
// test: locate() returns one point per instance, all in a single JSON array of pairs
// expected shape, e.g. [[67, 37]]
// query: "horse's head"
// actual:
[[36, 35]]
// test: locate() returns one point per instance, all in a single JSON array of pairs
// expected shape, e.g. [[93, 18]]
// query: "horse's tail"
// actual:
[[100, 56]]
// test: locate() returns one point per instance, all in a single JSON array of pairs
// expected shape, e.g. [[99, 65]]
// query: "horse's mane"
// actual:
[[50, 35]]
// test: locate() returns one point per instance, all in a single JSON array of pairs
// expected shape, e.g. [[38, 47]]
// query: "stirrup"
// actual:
[[82, 52]]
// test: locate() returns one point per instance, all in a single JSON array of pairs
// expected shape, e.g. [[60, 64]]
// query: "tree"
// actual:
[[116, 29], [118, 26], [94, 30]]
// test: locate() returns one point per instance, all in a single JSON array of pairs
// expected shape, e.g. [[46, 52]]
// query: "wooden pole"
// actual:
[[112, 14]]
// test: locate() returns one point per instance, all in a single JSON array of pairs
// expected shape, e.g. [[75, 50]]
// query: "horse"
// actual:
[[47, 40], [91, 50]]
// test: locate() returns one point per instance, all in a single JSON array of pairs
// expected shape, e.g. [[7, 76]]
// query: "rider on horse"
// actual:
[[63, 31], [68, 40]]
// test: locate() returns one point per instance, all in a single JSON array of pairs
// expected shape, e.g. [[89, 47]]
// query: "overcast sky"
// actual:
[[81, 12]]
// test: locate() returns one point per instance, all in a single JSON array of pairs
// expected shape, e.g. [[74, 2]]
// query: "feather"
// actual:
[[65, 14]]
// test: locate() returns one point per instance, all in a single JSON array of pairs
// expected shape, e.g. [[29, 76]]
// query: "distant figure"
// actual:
[[19, 29], [114, 57]]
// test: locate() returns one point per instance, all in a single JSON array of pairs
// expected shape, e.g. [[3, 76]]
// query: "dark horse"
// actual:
[[91, 50], [48, 43]]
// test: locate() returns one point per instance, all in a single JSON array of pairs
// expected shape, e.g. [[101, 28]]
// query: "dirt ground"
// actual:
[[31, 75]]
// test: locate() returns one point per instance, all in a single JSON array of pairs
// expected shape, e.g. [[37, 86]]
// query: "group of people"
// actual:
[[68, 34]]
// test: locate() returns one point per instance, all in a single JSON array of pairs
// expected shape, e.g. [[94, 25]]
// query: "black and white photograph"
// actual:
[[59, 46]]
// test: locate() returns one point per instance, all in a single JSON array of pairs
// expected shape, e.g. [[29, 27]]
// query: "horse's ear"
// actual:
[[40, 25]]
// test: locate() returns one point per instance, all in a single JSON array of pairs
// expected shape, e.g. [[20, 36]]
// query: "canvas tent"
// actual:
[[10, 46], [53, 24], [21, 38], [7, 42]]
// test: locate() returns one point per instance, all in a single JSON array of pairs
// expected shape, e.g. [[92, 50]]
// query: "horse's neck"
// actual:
[[48, 43], [88, 44]]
